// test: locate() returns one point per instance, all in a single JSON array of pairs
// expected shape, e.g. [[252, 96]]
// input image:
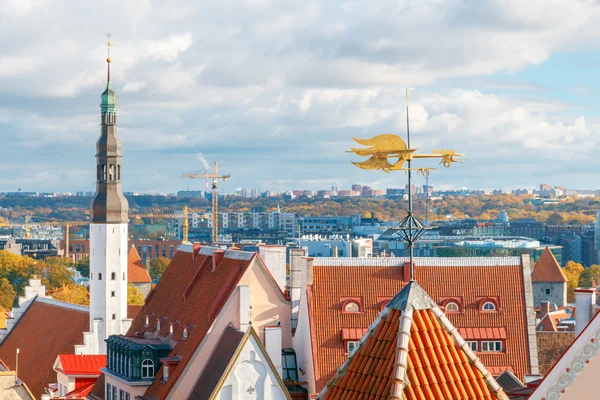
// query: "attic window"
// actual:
[[351, 345], [452, 307], [488, 306], [147, 321], [171, 329], [157, 324], [351, 307], [185, 333]]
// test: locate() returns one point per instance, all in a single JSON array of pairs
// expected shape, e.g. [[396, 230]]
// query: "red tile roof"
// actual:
[[482, 333], [353, 333], [47, 328], [547, 269], [175, 299], [82, 364], [505, 281], [136, 272], [412, 352]]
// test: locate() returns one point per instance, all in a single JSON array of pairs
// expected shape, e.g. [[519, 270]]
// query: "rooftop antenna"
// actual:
[[386, 147]]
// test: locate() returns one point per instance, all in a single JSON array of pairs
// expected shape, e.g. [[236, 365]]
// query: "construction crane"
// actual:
[[215, 197]]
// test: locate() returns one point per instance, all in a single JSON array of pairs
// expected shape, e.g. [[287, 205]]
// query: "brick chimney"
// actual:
[[544, 308], [216, 258], [585, 300]]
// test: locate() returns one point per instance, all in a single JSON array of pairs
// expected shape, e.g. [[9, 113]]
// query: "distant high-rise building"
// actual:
[[356, 187]]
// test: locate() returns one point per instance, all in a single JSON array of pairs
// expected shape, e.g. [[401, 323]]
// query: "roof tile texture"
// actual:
[[42, 333], [551, 346], [330, 284], [136, 272], [205, 291], [547, 269], [437, 368]]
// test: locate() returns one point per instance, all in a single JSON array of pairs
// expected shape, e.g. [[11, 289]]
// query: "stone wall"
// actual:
[[557, 293]]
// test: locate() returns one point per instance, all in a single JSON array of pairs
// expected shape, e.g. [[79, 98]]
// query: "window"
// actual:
[[185, 333], [495, 346], [473, 345], [147, 321], [119, 178], [289, 368], [111, 172], [452, 307], [351, 345], [489, 306], [171, 329], [114, 316], [121, 394], [113, 276], [351, 307], [108, 387], [127, 396], [165, 373], [547, 291], [78, 247], [147, 368], [113, 294], [99, 277], [114, 393], [158, 324]]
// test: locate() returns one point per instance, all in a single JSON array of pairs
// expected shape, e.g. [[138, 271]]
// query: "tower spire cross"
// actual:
[[386, 147]]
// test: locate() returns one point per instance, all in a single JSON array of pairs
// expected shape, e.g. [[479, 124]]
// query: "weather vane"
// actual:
[[389, 152]]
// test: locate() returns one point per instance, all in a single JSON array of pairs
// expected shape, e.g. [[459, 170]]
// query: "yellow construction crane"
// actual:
[[215, 197]]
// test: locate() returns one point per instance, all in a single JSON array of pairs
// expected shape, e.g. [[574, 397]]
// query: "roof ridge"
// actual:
[[60, 303], [419, 261]]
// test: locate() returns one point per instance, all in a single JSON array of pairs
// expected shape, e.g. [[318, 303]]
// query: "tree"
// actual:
[[134, 296], [572, 271], [555, 219], [57, 272], [83, 265], [74, 294], [158, 267], [585, 279], [7, 295]]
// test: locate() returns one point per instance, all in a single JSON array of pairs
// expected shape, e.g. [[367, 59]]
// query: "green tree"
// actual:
[[7, 295], [134, 296], [555, 219], [83, 265], [585, 279], [56, 272], [158, 266]]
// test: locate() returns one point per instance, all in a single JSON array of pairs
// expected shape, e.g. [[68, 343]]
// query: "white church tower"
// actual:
[[108, 232]]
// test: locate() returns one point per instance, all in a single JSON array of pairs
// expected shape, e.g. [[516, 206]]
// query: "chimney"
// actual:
[[216, 258], [296, 264], [585, 299], [273, 336], [544, 308], [406, 271], [274, 258]]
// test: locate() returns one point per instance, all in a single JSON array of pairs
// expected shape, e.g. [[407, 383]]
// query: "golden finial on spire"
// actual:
[[109, 44]]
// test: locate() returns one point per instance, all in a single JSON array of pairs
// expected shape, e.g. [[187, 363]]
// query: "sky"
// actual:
[[275, 89]]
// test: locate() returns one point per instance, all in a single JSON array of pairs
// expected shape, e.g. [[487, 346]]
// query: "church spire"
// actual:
[[108, 205]]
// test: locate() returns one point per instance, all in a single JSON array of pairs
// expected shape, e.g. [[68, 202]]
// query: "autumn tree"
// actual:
[[134, 296], [555, 219], [83, 265], [56, 272], [573, 272], [158, 266], [7, 295], [74, 294], [585, 279]]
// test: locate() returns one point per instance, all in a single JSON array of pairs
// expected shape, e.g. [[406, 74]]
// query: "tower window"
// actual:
[[113, 294], [114, 316], [99, 276], [113, 276], [103, 170], [111, 172], [118, 172], [547, 291], [147, 368]]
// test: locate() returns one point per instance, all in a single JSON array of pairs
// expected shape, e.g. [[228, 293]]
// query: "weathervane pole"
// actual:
[[410, 205]]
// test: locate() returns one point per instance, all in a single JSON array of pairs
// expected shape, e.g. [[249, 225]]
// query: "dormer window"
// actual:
[[185, 333], [488, 306], [170, 329], [147, 368], [147, 321], [452, 304], [351, 305], [452, 307], [158, 324]]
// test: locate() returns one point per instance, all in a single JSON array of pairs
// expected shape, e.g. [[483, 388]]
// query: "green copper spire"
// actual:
[[109, 98]]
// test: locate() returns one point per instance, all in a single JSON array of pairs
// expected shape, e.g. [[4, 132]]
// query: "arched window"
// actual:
[[171, 329], [488, 306], [147, 368], [99, 276], [452, 307], [111, 172], [185, 333], [147, 321], [103, 168], [158, 324], [351, 307], [113, 276]]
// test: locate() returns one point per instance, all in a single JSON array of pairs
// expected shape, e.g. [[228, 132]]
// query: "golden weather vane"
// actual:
[[389, 152]]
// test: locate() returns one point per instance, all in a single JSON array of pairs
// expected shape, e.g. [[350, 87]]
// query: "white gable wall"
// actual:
[[251, 377]]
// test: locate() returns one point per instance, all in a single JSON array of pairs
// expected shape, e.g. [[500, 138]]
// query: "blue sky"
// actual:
[[273, 90]]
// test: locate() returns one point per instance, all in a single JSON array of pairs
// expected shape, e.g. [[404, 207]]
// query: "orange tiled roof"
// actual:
[[412, 352], [482, 333], [136, 272], [353, 333], [82, 364], [175, 299], [547, 269], [331, 283], [47, 328]]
